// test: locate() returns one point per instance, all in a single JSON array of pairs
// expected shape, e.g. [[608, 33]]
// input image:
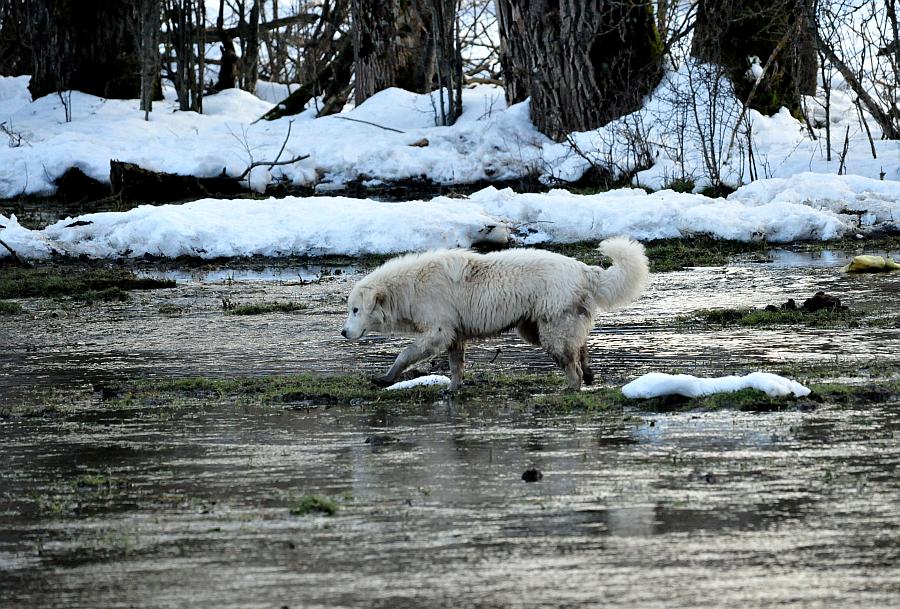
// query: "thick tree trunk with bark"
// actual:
[[584, 63], [87, 45], [730, 32], [411, 44], [15, 51]]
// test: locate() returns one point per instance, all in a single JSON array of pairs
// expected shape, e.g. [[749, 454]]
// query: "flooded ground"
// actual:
[[196, 503]]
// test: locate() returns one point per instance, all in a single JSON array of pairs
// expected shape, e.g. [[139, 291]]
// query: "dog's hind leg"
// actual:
[[424, 347], [564, 339], [457, 364]]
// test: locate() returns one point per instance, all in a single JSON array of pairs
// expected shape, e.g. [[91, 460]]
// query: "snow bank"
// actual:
[[683, 124], [489, 141], [318, 226], [656, 384], [422, 381], [211, 228]]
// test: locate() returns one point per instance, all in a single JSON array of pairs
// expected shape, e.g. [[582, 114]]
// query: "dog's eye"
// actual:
[[355, 310]]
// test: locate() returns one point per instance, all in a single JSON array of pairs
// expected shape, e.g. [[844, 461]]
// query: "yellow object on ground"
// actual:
[[871, 264]]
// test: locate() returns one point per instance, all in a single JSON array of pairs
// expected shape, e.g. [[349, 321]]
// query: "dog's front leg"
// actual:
[[457, 364], [423, 348]]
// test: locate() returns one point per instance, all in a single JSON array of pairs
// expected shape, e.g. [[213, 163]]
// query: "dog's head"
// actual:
[[365, 311]]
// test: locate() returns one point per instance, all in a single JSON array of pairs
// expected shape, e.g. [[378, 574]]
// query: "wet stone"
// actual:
[[532, 475]]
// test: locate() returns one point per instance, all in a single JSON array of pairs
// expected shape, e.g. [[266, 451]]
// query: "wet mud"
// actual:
[[204, 502]]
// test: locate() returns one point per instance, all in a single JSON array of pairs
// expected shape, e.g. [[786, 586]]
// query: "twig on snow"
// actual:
[[356, 120]]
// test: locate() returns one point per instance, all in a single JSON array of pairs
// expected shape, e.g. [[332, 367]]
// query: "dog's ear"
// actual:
[[380, 298]]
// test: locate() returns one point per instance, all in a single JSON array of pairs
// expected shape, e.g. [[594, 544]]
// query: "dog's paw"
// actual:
[[588, 377]]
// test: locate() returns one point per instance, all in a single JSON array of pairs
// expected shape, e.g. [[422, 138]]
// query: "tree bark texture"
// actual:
[[584, 63], [250, 62], [15, 51], [87, 45], [149, 17], [728, 32], [411, 44]]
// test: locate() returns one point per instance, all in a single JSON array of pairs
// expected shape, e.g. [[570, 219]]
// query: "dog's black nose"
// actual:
[[344, 333]]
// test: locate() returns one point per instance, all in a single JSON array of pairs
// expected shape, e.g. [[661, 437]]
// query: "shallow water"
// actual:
[[723, 509], [72, 345]]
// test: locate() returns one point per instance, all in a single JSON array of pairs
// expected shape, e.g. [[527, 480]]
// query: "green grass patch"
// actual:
[[314, 504], [84, 284], [261, 308], [752, 400], [686, 185], [170, 310], [112, 294], [598, 400], [671, 254], [677, 254], [315, 390], [10, 308], [94, 480]]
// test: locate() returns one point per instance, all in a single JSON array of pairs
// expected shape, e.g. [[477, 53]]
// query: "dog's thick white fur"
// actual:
[[448, 297]]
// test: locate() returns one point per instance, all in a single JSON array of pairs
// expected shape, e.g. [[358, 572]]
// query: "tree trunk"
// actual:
[[148, 49], [391, 47], [250, 63], [15, 50], [411, 44], [584, 63], [731, 32], [230, 66], [86, 45], [186, 21]]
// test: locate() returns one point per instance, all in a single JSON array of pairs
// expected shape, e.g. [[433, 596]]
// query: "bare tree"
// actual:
[[148, 18], [325, 65], [861, 39], [185, 21]]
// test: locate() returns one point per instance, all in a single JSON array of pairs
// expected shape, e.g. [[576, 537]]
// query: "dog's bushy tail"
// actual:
[[624, 281]]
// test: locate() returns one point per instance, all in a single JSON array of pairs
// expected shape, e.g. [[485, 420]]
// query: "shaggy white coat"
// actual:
[[448, 297]]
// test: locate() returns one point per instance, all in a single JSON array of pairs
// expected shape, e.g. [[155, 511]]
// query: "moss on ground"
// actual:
[[10, 308], [345, 389], [83, 284], [671, 254], [545, 393], [260, 308], [314, 504], [823, 318]]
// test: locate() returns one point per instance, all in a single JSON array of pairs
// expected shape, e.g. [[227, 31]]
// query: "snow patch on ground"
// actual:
[[656, 384], [422, 381]]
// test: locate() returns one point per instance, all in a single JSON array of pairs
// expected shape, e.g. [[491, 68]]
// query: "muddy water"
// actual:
[[189, 505]]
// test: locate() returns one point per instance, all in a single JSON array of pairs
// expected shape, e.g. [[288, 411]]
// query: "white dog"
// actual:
[[447, 297]]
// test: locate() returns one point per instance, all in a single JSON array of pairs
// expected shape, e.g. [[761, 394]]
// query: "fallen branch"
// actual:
[[15, 254], [356, 120], [271, 164]]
